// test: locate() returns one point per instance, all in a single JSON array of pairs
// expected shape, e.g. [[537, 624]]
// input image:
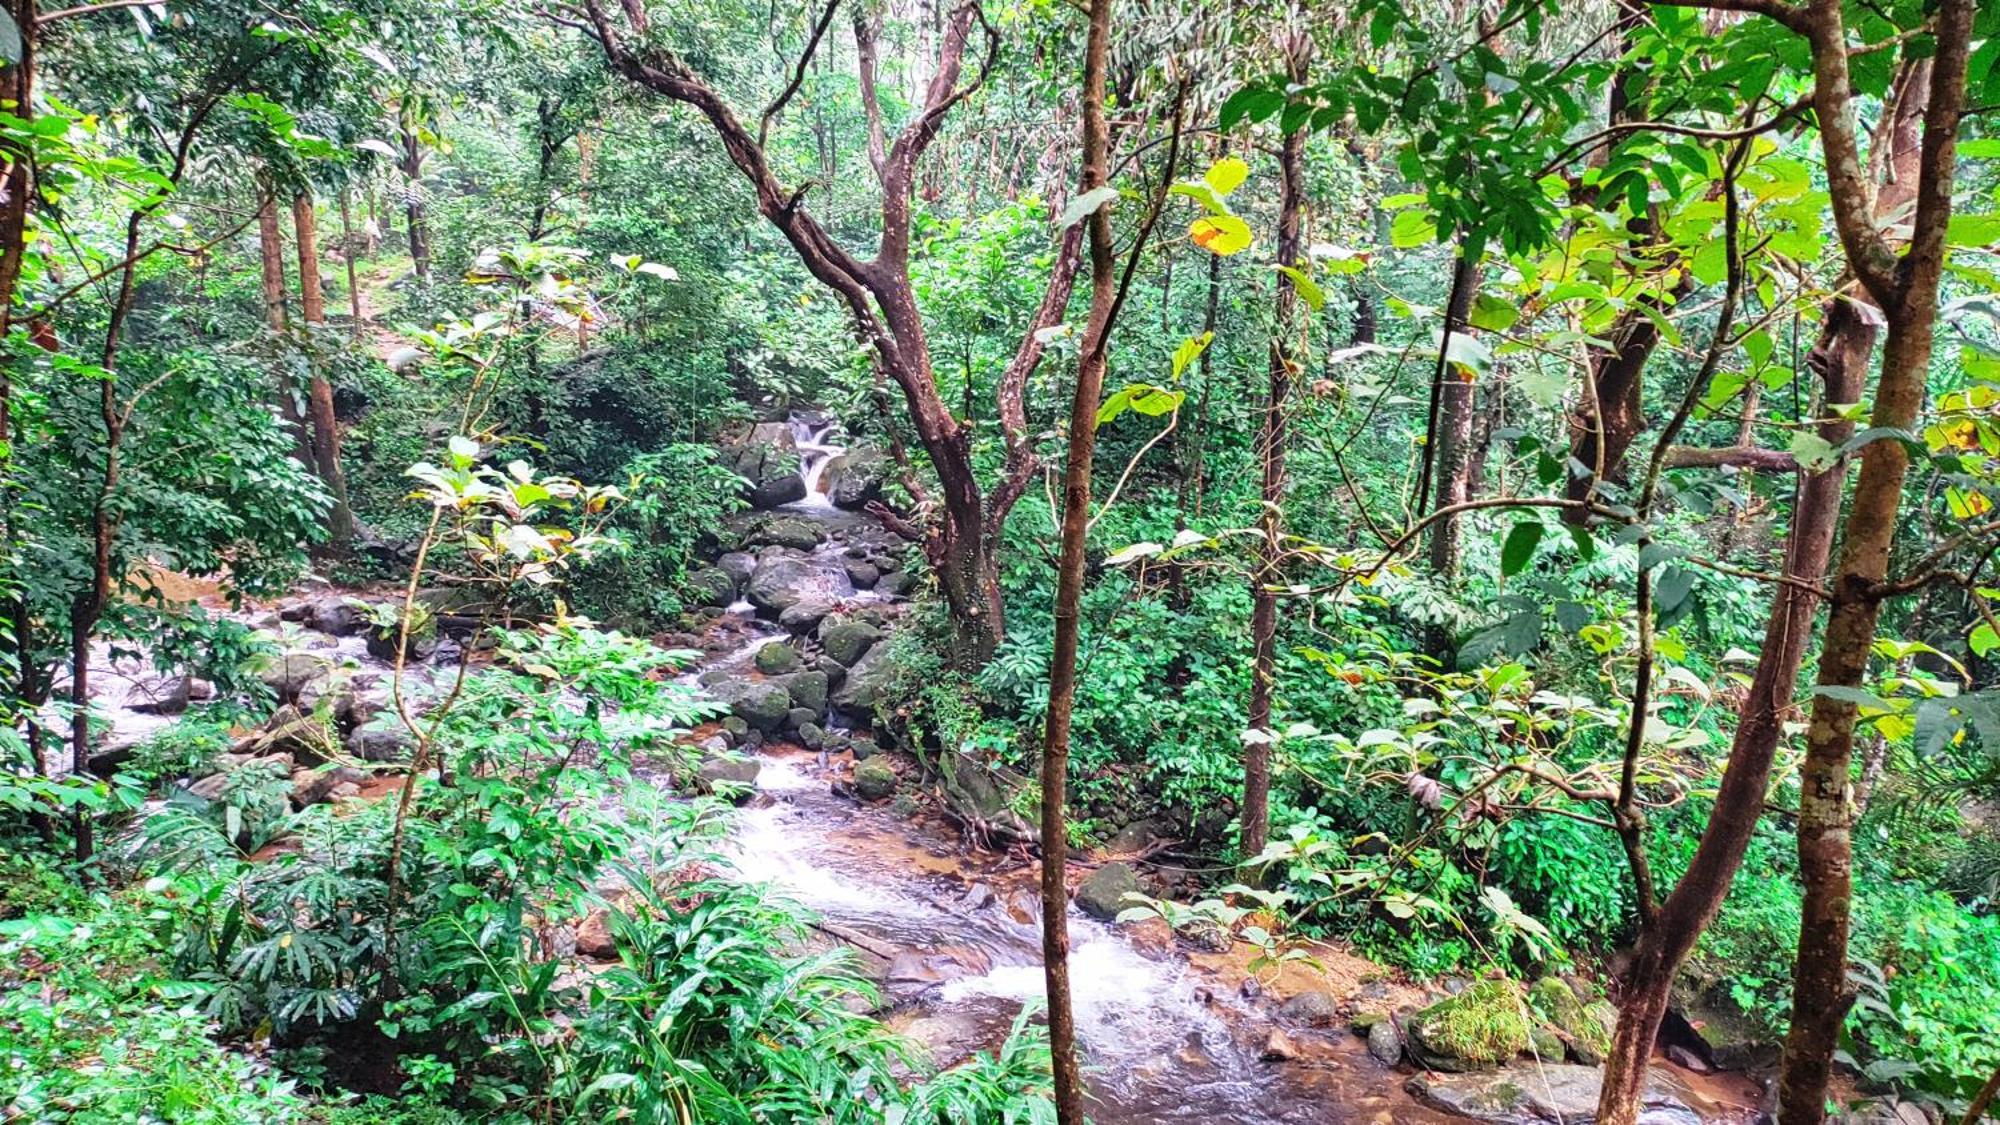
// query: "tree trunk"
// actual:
[[347, 256], [271, 259], [1268, 577], [1069, 579], [1840, 357], [1821, 995], [413, 204], [319, 398]]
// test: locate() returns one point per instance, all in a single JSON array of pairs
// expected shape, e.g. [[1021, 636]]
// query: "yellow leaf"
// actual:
[[1226, 175], [1221, 235]]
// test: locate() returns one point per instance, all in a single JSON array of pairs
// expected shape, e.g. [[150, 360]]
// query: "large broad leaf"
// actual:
[[1306, 287], [10, 40], [1086, 204], [1495, 314], [1142, 398], [1519, 546], [1221, 235], [1470, 356], [1226, 175]]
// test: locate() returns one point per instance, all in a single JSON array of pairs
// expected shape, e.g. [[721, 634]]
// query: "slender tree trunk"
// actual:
[[413, 203], [347, 256], [1841, 358], [1069, 580], [271, 259], [319, 398], [1821, 995], [1268, 578], [1442, 480]]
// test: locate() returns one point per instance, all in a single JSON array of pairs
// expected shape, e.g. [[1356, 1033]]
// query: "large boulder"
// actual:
[[858, 477], [1480, 1028], [1562, 1093], [867, 684], [726, 774], [768, 461], [874, 779], [1102, 895], [781, 581], [738, 565], [1583, 1021], [711, 585], [340, 616], [844, 642], [804, 616], [808, 690], [795, 532], [763, 706], [382, 739], [288, 674], [778, 658]]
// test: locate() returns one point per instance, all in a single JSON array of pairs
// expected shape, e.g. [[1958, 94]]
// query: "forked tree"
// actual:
[[877, 291]]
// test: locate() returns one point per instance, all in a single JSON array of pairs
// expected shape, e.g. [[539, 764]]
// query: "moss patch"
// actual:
[[1485, 1025]]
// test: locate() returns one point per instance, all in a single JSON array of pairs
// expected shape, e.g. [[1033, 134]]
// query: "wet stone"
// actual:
[[1102, 895], [874, 779], [777, 658], [1311, 1008]]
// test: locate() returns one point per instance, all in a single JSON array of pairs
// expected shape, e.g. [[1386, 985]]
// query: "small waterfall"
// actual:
[[814, 435]]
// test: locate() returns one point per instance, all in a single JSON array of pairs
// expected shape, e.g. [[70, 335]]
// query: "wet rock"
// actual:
[[1385, 1042], [292, 733], [1311, 1008], [1687, 1060], [863, 574], [811, 736], [288, 674], [735, 728], [874, 779], [896, 584], [868, 682], [310, 787], [738, 565], [711, 586], [804, 615], [835, 673], [161, 695], [421, 644], [808, 690], [1545, 1045], [722, 774], [1582, 1020], [778, 658], [1137, 837], [1278, 1047], [1551, 1092], [795, 532], [1102, 895], [860, 473], [211, 788], [768, 461], [974, 788], [383, 740], [713, 744], [912, 972], [844, 642], [593, 936], [863, 749], [799, 717], [339, 616], [1884, 1111], [763, 706], [780, 582]]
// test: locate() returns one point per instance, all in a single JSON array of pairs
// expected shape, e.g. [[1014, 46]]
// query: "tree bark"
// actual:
[[413, 201], [1821, 995], [1840, 357], [319, 397], [347, 257], [880, 298], [1267, 579], [1069, 576], [271, 260]]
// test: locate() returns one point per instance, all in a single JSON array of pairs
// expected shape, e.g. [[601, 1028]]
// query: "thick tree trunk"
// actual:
[[319, 398], [1268, 577]]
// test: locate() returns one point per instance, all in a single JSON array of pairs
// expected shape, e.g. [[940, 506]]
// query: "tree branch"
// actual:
[[798, 73]]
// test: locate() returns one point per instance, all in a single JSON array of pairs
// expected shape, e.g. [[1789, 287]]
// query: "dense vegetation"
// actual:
[[1542, 521]]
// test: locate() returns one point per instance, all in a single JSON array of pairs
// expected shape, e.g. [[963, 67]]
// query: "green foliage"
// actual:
[[184, 749], [1486, 1023], [674, 501]]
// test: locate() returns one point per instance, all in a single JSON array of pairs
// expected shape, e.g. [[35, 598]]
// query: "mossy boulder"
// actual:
[[808, 690], [778, 658], [711, 586], [1583, 1019], [1483, 1026], [1102, 895], [763, 706], [874, 779], [844, 642]]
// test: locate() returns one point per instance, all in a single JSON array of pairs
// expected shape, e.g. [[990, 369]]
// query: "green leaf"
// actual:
[[1673, 588], [1494, 314], [1813, 452], [1710, 264], [1984, 641], [1544, 387], [1411, 228], [1973, 230], [1221, 235], [1226, 175], [1086, 204], [1306, 287], [10, 41], [1469, 355], [1189, 351], [1251, 103], [1519, 546], [1143, 398]]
